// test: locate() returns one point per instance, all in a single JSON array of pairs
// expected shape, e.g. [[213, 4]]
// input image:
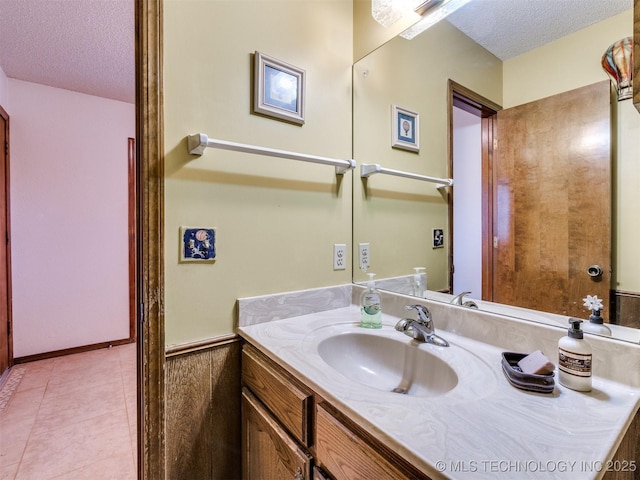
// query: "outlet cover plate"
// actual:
[[364, 256], [339, 256]]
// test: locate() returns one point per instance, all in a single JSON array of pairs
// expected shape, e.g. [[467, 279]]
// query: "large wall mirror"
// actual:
[[448, 87]]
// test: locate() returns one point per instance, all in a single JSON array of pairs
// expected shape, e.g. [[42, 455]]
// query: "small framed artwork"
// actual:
[[278, 89], [405, 129], [197, 244], [438, 238]]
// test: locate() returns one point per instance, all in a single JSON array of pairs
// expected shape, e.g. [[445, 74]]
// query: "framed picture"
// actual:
[[405, 129], [197, 244], [278, 89], [438, 238]]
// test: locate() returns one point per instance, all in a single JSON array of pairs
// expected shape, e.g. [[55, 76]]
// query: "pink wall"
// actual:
[[4, 99], [68, 218]]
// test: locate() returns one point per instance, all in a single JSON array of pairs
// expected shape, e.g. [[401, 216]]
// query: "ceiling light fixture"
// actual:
[[388, 12], [432, 11]]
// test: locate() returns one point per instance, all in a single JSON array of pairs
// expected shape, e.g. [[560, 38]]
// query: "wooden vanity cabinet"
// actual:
[[288, 432]]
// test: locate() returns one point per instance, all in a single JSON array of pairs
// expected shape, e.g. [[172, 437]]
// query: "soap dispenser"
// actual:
[[574, 359], [419, 283], [371, 306]]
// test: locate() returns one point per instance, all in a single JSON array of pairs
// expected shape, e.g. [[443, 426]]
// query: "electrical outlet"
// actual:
[[339, 256], [365, 258]]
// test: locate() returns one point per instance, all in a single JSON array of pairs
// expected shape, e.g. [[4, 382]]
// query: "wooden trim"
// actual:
[[184, 348], [464, 95], [7, 176], [623, 293], [71, 351], [150, 242], [133, 297], [489, 125], [450, 104], [461, 97]]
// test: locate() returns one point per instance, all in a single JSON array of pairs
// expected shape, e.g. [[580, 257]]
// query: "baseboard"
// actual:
[[70, 351]]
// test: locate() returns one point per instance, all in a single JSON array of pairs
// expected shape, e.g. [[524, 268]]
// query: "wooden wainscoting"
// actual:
[[203, 428], [626, 306]]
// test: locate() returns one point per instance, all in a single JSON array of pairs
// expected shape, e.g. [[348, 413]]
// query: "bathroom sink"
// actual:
[[388, 364]]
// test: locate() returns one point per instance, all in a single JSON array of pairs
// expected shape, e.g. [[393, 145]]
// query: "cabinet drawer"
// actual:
[[290, 404], [347, 456], [269, 453]]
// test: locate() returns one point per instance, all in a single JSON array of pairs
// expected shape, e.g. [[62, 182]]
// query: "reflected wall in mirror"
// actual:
[[396, 216]]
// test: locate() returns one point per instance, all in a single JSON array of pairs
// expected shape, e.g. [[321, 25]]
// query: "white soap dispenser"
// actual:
[[371, 306], [574, 359], [419, 283]]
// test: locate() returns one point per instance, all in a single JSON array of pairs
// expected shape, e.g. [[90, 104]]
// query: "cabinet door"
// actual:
[[347, 456], [268, 452]]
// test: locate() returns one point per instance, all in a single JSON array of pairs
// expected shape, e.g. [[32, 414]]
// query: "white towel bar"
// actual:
[[199, 141], [368, 169]]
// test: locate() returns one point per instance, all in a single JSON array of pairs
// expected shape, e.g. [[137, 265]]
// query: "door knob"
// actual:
[[594, 271]]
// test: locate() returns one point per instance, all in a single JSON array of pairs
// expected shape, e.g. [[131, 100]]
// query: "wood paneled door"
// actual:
[[552, 202], [6, 344]]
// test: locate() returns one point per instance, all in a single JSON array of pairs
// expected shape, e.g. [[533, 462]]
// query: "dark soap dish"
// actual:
[[525, 381]]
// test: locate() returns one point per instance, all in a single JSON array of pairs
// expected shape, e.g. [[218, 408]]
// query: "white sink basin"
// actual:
[[388, 364]]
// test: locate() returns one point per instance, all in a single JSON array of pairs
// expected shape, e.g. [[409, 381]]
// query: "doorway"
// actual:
[[472, 120], [545, 199]]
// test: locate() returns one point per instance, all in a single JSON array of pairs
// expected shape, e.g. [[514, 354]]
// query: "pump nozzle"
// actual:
[[575, 331]]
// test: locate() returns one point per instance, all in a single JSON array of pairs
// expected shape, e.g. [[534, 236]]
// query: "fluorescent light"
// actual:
[[387, 12], [433, 16]]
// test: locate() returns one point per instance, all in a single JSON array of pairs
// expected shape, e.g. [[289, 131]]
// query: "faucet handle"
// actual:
[[459, 299], [423, 312]]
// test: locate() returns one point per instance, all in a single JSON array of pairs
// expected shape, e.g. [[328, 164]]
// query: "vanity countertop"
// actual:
[[483, 428]]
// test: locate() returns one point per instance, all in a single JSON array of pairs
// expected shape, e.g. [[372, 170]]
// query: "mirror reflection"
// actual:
[[483, 235]]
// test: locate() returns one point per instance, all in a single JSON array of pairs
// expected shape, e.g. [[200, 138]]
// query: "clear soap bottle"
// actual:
[[419, 283], [371, 306], [574, 359]]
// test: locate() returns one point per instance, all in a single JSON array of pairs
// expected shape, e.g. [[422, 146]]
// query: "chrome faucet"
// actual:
[[459, 300], [420, 329]]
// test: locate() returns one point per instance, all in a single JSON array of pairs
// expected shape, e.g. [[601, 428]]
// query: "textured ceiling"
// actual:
[[88, 45], [508, 28], [81, 45]]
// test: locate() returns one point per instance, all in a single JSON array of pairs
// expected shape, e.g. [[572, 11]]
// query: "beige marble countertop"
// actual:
[[482, 429]]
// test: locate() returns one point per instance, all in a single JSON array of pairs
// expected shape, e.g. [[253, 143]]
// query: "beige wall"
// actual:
[[386, 213], [276, 220], [571, 62]]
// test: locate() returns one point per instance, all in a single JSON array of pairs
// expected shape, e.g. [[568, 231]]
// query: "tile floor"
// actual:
[[71, 417]]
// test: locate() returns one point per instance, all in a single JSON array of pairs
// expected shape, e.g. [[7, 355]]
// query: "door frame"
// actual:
[[7, 200], [471, 102], [150, 239]]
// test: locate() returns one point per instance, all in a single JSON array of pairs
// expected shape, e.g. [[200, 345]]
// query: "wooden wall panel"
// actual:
[[203, 429], [626, 306]]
